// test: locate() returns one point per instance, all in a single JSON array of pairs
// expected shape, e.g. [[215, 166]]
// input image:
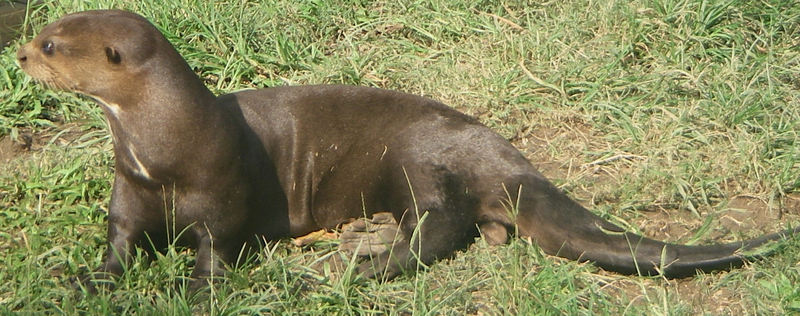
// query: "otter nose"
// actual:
[[22, 55]]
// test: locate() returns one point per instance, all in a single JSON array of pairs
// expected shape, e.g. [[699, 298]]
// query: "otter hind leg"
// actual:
[[435, 214], [422, 238], [494, 233], [388, 250]]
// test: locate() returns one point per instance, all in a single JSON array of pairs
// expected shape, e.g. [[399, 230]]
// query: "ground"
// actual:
[[673, 118]]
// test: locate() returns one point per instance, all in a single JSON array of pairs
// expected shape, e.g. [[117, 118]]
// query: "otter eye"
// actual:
[[48, 47]]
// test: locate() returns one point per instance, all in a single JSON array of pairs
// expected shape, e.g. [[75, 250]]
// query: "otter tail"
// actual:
[[563, 228]]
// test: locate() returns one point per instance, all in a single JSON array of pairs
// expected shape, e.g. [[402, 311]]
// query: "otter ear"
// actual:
[[113, 55]]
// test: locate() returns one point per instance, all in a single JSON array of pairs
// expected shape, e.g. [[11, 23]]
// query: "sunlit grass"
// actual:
[[660, 115]]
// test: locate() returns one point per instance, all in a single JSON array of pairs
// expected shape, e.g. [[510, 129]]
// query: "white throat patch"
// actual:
[[139, 167], [114, 110]]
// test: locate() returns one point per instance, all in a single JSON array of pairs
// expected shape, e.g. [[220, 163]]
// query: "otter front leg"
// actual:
[[121, 238], [126, 228], [212, 254]]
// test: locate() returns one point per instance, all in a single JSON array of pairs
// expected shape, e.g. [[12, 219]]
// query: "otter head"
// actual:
[[97, 53]]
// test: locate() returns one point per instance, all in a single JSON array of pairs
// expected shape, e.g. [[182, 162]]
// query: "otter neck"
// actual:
[[158, 124], [172, 80]]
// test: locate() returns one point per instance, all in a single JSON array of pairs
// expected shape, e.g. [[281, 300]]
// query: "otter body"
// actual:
[[280, 162]]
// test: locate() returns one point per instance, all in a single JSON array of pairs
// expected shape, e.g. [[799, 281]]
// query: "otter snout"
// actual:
[[22, 55]]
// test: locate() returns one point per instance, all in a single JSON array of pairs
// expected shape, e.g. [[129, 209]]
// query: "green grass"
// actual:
[[698, 100]]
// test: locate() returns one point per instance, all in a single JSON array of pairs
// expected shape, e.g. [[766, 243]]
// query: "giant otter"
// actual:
[[279, 162]]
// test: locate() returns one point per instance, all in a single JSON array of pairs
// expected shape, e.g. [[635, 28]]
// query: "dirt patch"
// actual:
[[552, 144], [745, 216], [11, 148], [702, 296], [668, 225], [706, 297], [30, 141], [747, 211]]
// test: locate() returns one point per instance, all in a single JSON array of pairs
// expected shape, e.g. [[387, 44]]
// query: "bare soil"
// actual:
[[30, 141], [12, 148]]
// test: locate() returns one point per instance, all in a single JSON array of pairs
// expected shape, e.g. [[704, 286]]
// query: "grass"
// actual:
[[674, 118]]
